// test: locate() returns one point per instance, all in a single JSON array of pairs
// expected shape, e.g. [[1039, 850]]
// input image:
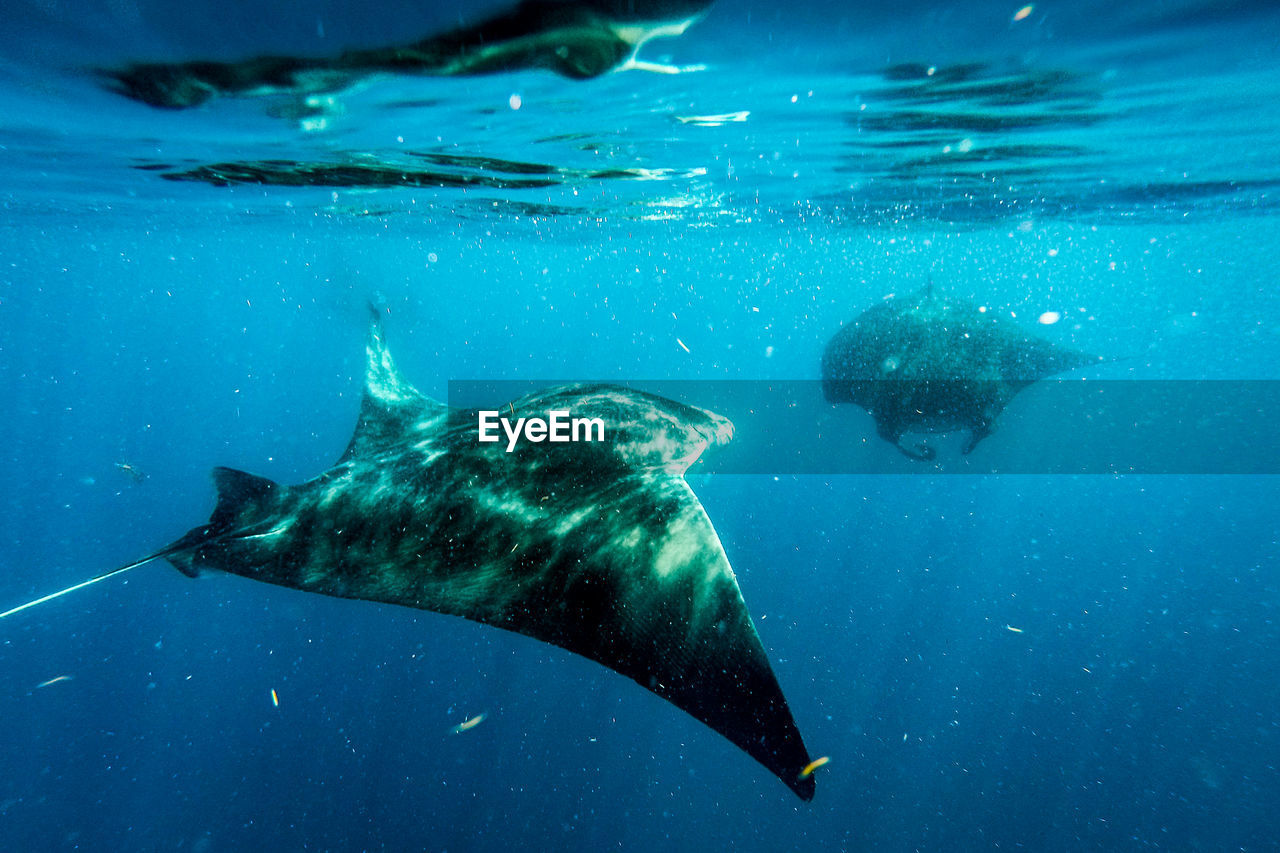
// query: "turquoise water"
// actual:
[[185, 289]]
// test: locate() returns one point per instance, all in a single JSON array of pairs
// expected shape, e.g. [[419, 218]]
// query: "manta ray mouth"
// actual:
[[717, 434]]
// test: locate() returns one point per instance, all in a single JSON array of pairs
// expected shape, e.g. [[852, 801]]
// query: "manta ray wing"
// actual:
[[600, 548]]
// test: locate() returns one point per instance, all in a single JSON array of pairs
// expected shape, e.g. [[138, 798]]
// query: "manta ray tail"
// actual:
[[164, 552], [238, 492], [51, 596]]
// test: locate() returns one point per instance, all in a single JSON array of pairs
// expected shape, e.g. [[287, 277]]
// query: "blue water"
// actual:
[[1110, 162]]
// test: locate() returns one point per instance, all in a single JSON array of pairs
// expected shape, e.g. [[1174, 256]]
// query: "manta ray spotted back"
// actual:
[[922, 363], [600, 548]]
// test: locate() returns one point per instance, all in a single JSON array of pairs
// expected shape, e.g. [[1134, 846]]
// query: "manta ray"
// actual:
[[578, 39], [598, 547], [921, 363]]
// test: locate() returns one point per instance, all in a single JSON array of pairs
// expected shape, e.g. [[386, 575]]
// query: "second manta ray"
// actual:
[[600, 548], [921, 363]]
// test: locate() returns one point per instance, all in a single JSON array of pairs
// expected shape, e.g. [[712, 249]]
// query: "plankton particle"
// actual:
[[814, 765]]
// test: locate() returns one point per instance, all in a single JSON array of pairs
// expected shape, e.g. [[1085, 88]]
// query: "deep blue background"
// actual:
[[178, 327]]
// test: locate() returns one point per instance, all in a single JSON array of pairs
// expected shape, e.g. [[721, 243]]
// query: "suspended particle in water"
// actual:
[[467, 725], [814, 765]]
